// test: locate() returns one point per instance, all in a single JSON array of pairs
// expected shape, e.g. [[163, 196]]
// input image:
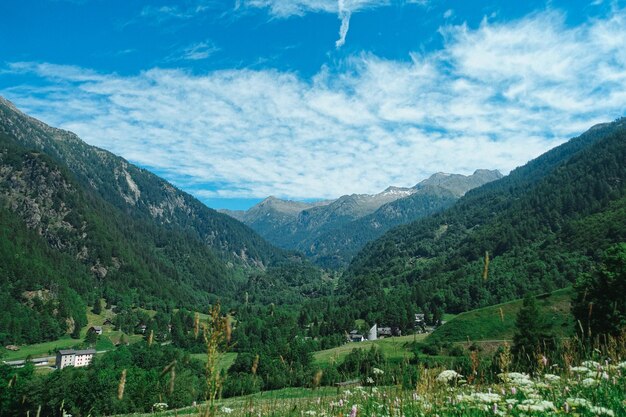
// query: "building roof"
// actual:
[[77, 352]]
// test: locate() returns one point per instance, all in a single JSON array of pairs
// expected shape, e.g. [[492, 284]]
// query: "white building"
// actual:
[[71, 357]]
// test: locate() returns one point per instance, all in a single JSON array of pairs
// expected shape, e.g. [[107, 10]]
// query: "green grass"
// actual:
[[225, 361], [394, 348], [497, 323], [40, 349]]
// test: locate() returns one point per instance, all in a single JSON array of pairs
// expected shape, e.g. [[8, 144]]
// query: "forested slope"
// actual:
[[72, 233], [541, 225]]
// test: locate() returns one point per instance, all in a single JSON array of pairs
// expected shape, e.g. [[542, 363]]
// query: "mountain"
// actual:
[[79, 223], [332, 232], [535, 230]]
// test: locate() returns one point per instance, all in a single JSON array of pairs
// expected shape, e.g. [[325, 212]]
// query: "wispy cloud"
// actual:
[[194, 52], [342, 8], [492, 97]]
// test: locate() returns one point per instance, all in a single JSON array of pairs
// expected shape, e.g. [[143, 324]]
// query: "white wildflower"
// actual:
[[601, 411], [227, 410], [579, 369], [578, 402], [591, 364], [448, 375], [551, 377], [377, 371], [540, 406], [159, 406], [589, 382]]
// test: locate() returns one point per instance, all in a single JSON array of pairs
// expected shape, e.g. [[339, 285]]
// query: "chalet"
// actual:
[[354, 336], [420, 322], [141, 328], [107, 322], [384, 332], [388, 332], [12, 348], [71, 357], [96, 329]]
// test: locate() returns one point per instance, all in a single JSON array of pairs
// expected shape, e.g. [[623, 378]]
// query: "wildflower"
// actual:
[[226, 410], [353, 411], [591, 364], [578, 402], [599, 411], [377, 371], [579, 369], [589, 382], [551, 377], [540, 406], [369, 380], [159, 406], [447, 376]]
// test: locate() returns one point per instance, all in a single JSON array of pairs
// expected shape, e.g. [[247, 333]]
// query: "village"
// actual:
[[380, 332]]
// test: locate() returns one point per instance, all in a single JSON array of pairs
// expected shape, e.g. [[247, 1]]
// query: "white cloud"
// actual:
[[343, 9], [493, 97], [195, 52]]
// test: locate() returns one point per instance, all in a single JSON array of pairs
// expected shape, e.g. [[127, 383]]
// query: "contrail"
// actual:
[[344, 15]]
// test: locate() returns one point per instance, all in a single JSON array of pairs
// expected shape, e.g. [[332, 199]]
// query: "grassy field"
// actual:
[[106, 341], [497, 323], [226, 360], [394, 349]]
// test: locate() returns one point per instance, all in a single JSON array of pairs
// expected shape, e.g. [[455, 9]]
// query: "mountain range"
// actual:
[[79, 223], [331, 232], [540, 228]]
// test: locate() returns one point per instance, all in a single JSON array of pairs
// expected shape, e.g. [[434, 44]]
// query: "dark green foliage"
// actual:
[[600, 305], [531, 337], [73, 225], [94, 390], [543, 225], [97, 306]]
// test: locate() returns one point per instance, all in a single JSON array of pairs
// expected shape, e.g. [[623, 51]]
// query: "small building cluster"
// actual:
[[77, 358], [374, 333]]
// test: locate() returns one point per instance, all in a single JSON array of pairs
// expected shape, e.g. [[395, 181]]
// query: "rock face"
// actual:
[[331, 232], [129, 188]]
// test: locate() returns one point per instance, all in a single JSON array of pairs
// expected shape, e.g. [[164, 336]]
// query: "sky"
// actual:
[[236, 100]]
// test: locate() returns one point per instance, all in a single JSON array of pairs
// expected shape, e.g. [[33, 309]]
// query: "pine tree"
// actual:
[[531, 335], [600, 305], [97, 306]]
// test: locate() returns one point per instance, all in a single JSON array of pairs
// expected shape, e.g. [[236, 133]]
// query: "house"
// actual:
[[354, 336], [420, 322], [71, 357], [12, 348], [96, 329], [142, 328], [384, 332], [107, 322]]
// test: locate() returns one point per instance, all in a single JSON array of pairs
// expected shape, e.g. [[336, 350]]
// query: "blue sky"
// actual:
[[308, 99]]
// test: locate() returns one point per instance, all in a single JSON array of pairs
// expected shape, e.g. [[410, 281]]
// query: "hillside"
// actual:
[[80, 223], [497, 323], [542, 225], [331, 232]]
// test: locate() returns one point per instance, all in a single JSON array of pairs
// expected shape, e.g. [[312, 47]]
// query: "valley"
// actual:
[[108, 246]]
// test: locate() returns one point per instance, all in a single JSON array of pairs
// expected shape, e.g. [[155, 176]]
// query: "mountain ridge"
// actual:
[[312, 227]]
